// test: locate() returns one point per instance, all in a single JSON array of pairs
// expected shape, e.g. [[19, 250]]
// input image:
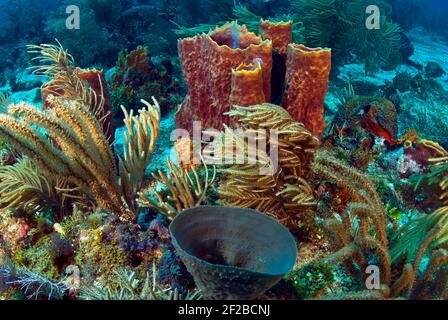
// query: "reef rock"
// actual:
[[376, 115], [434, 70]]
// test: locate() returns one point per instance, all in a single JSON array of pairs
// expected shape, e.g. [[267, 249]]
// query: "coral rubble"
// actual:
[[345, 164]]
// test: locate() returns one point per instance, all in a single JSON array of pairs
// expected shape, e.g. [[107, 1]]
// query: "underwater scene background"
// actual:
[[258, 149]]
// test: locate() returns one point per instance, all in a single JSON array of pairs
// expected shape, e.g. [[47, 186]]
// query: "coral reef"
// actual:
[[340, 146]]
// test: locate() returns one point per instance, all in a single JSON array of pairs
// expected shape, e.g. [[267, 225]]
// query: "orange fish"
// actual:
[[369, 123]]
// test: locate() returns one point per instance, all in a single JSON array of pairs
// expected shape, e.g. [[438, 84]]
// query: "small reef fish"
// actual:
[[368, 122]]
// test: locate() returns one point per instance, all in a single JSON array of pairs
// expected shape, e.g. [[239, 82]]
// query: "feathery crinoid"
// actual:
[[77, 151], [282, 192], [23, 187], [55, 62], [366, 212], [362, 230], [181, 189], [140, 137]]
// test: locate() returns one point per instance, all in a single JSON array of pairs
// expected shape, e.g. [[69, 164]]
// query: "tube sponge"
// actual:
[[207, 62], [279, 33], [247, 86], [307, 78]]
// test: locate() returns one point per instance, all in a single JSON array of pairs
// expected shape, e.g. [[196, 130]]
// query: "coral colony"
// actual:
[[272, 158]]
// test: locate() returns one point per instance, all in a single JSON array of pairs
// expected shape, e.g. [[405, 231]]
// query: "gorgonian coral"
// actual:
[[83, 156]]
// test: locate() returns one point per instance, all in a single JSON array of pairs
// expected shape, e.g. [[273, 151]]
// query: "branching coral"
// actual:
[[185, 190], [85, 158], [366, 208], [283, 193]]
